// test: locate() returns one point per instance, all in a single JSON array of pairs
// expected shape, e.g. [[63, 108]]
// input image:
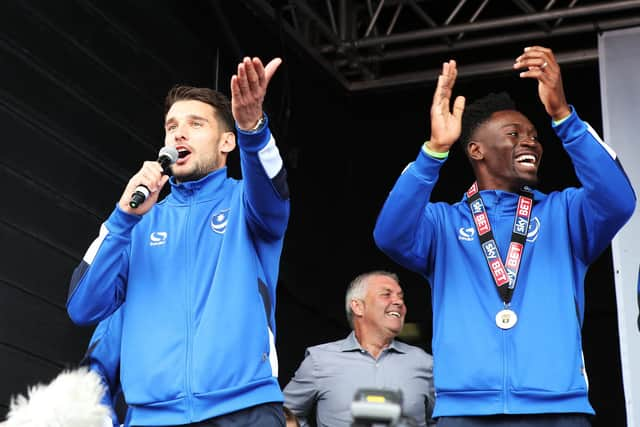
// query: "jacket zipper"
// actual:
[[505, 382], [189, 269]]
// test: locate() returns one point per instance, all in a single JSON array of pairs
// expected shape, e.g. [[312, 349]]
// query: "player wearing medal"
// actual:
[[506, 264]]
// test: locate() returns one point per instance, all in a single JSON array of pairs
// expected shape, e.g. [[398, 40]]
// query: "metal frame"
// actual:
[[378, 44]]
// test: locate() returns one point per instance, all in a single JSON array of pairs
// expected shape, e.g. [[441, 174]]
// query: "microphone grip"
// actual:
[[139, 196], [166, 157], [165, 164]]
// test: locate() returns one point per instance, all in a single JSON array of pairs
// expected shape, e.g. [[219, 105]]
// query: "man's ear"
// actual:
[[228, 143], [357, 307], [474, 150]]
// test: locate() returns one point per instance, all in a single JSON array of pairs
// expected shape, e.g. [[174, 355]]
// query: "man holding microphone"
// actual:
[[198, 269]]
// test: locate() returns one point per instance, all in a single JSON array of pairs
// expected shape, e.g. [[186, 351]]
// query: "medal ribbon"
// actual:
[[503, 273]]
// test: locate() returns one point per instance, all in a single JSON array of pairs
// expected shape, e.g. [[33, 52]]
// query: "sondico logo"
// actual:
[[466, 233], [158, 238]]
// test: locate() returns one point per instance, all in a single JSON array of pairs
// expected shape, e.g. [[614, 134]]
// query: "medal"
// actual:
[[506, 319], [503, 273]]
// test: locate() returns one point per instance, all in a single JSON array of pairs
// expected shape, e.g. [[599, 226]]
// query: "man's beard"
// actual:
[[198, 173]]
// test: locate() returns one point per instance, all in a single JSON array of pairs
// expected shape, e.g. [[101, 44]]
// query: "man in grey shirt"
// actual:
[[369, 357]]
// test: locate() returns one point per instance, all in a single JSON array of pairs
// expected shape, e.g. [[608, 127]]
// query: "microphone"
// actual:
[[166, 157]]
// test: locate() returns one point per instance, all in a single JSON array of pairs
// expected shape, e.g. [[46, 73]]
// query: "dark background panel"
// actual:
[[36, 95], [80, 68], [94, 33], [43, 178], [57, 222], [35, 265], [29, 315]]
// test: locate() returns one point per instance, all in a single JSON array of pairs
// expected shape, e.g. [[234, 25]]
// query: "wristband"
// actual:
[[434, 154]]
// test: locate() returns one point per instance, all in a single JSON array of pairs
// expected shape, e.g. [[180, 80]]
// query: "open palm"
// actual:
[[446, 123]]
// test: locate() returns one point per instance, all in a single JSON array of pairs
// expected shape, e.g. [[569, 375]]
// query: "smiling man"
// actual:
[[370, 357], [506, 264], [198, 270]]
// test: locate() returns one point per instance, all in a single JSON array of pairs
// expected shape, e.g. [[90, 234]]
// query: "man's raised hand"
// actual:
[[248, 88], [445, 123], [540, 63]]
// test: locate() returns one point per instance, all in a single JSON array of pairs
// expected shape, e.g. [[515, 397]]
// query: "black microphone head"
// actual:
[[167, 156]]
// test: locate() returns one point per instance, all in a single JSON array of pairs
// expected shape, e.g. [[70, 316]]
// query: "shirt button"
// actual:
[[264, 357]]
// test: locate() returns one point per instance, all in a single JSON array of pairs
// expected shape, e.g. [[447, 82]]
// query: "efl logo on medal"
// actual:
[[506, 319]]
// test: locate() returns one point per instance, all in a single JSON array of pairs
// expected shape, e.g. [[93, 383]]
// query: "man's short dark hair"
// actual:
[[480, 111], [220, 103]]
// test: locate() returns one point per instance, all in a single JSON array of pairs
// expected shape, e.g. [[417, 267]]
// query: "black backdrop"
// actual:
[[82, 84]]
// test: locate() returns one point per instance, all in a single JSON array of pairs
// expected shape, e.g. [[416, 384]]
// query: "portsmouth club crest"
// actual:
[[219, 221], [534, 228]]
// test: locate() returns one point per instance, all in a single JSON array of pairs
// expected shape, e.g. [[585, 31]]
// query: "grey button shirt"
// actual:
[[331, 373]]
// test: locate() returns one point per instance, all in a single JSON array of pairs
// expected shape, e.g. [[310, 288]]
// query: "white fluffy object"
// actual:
[[72, 399]]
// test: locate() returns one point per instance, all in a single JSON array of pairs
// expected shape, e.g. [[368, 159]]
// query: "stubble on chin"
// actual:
[[196, 174]]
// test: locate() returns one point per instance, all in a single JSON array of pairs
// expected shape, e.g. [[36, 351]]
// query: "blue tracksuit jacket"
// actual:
[[198, 273], [537, 366]]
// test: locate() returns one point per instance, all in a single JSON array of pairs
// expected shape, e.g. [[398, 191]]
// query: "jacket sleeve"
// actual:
[[301, 394], [606, 200], [98, 284], [103, 358], [266, 195], [405, 226]]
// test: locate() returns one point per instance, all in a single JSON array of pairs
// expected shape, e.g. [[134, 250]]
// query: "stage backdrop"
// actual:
[[619, 56]]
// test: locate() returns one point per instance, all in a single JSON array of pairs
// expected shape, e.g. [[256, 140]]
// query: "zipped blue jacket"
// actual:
[[537, 366], [198, 273]]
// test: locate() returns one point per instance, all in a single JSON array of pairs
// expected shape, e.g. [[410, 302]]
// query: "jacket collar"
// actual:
[[491, 197], [206, 188]]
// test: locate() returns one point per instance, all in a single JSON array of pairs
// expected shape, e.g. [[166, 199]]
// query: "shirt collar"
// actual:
[[351, 344]]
